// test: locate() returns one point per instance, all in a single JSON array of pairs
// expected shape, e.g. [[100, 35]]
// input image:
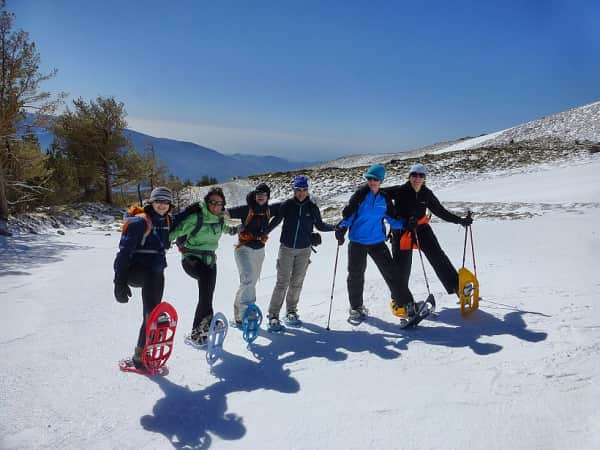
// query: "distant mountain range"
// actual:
[[189, 160]]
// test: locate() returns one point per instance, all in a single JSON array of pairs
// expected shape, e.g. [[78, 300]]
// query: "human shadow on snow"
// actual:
[[26, 252], [188, 418], [313, 341], [465, 331]]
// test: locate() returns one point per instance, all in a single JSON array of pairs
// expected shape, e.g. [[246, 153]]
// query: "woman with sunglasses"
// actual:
[[364, 216], [411, 201], [197, 237], [141, 260]]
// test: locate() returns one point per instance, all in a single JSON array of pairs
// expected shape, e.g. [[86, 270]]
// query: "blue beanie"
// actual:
[[301, 182], [376, 171]]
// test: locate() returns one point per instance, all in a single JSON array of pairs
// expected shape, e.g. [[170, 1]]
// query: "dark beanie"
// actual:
[[262, 188]]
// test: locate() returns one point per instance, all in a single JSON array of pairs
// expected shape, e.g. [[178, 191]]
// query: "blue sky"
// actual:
[[312, 80]]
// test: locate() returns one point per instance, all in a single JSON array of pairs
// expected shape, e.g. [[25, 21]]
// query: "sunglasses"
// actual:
[[216, 203], [417, 175], [300, 189], [162, 202], [373, 179]]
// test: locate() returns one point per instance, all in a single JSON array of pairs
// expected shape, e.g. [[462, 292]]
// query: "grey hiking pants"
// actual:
[[249, 263], [292, 264]]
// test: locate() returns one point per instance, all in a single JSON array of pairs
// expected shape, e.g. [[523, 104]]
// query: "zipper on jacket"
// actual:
[[298, 225]]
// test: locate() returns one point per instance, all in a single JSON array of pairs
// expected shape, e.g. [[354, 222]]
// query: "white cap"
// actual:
[[418, 168]]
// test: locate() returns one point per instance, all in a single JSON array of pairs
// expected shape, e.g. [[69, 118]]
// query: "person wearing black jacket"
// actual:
[[250, 250], [299, 214], [411, 201], [141, 260]]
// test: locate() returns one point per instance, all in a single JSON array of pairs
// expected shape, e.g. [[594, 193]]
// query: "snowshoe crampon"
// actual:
[[423, 310], [468, 291], [160, 333], [216, 336], [251, 321]]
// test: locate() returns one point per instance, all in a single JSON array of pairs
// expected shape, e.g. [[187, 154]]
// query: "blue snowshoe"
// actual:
[[251, 321]]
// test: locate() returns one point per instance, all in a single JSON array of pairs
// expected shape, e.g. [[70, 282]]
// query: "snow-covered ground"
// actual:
[[521, 373]]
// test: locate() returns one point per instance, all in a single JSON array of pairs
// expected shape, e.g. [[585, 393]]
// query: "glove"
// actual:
[[315, 239], [466, 221], [411, 223], [122, 292], [339, 235]]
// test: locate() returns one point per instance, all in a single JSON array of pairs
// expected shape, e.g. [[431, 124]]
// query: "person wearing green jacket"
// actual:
[[197, 237]]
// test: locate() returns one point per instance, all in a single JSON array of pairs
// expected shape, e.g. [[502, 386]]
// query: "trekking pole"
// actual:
[[430, 298], [473, 251], [337, 253], [465, 244]]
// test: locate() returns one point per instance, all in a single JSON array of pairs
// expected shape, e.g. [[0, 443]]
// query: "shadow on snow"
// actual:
[[26, 252], [188, 418], [465, 331]]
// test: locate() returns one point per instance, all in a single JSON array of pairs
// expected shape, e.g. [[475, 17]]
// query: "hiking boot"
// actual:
[[137, 360], [358, 313], [199, 335], [292, 317], [403, 311], [274, 324]]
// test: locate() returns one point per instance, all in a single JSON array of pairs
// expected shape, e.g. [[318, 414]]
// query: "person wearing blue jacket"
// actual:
[[364, 216], [299, 214], [141, 259]]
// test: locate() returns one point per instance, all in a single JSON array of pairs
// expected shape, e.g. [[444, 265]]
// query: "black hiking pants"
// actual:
[[357, 264], [153, 285], [429, 244], [207, 279]]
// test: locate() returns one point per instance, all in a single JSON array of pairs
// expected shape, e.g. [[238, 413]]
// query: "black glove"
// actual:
[[122, 292], [315, 239], [466, 221], [411, 223], [339, 235]]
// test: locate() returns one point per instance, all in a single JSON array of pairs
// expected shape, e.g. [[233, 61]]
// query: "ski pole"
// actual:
[[422, 263], [473, 251], [465, 245], [337, 253]]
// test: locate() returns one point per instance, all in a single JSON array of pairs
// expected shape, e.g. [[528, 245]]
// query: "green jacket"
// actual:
[[204, 243]]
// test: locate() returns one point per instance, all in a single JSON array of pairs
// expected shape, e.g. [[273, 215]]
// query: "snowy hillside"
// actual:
[[521, 373], [577, 124]]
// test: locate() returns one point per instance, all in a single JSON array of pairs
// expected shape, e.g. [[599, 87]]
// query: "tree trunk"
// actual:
[[139, 191], [107, 187], [3, 199]]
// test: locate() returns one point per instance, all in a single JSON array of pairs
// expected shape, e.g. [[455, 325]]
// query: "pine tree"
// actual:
[[92, 135], [20, 81]]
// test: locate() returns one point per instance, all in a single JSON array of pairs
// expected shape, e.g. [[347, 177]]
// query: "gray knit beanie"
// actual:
[[161, 194]]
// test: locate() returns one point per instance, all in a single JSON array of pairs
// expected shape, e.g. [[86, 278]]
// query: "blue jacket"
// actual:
[[151, 252], [364, 216], [298, 221]]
